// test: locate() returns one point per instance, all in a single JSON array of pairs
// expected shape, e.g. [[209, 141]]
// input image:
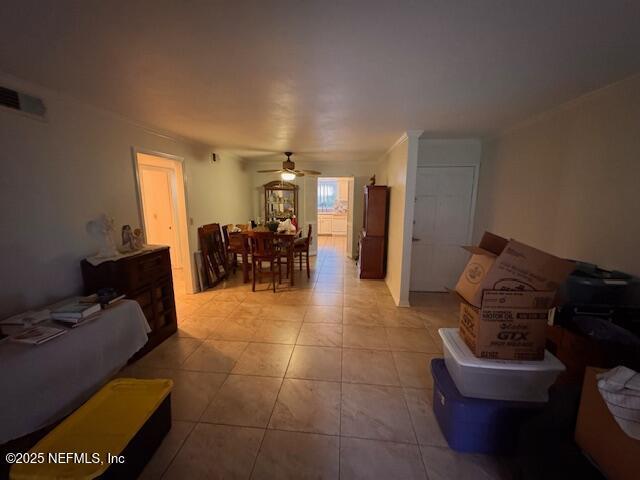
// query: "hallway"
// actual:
[[326, 380]]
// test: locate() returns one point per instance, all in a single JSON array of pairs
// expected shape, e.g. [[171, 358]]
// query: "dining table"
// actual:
[[244, 236]]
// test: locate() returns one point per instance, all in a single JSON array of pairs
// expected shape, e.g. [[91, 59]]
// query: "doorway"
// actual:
[[162, 203], [335, 213], [443, 222]]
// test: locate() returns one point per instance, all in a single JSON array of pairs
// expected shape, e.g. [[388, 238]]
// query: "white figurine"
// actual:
[[138, 239], [101, 229], [127, 239]]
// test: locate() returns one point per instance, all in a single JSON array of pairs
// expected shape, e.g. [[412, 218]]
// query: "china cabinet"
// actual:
[[280, 200]]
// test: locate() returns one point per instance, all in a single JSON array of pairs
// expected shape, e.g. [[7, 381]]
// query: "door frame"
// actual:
[[474, 194], [175, 214], [182, 223], [350, 205]]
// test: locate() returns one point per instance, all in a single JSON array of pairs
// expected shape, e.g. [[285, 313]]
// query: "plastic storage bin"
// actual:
[[475, 425], [526, 381]]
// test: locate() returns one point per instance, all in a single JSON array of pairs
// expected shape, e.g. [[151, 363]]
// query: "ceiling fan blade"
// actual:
[[312, 172], [269, 171]]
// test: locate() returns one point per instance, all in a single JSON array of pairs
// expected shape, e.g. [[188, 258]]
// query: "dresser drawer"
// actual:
[[148, 269]]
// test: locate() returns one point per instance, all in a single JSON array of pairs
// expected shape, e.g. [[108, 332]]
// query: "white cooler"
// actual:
[[526, 381]]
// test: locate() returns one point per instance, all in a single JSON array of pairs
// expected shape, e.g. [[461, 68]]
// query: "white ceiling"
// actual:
[[331, 80]]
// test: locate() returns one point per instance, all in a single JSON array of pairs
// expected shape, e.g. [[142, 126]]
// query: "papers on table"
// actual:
[[30, 317], [38, 335]]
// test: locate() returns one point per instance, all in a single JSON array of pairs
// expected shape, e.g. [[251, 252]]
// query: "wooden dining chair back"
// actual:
[[263, 249], [236, 245], [302, 246], [286, 245]]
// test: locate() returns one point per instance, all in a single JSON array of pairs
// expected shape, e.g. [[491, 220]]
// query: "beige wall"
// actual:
[[58, 174], [397, 169], [569, 181]]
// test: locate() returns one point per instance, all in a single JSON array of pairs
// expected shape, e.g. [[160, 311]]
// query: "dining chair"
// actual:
[[302, 246], [263, 249], [285, 243], [236, 245]]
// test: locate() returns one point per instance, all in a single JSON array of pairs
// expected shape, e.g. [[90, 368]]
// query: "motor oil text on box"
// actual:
[[511, 325]]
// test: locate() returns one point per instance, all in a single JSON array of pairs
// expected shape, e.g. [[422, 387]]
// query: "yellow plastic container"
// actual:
[[79, 448]]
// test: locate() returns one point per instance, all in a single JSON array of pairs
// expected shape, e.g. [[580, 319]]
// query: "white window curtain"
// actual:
[[327, 195]]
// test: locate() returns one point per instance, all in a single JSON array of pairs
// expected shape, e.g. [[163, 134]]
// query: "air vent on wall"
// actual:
[[22, 102]]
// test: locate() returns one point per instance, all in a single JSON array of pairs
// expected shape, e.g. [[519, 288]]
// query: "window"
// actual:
[[327, 195]]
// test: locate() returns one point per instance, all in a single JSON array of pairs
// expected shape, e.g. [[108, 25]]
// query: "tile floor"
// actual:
[[327, 379]]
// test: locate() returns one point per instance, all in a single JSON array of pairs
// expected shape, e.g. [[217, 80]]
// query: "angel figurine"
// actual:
[[127, 239], [138, 239]]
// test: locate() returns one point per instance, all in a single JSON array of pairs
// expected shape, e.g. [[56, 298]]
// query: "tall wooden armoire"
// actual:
[[372, 261]]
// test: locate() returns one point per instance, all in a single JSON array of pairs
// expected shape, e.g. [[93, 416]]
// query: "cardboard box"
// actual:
[[601, 438], [500, 264], [510, 325]]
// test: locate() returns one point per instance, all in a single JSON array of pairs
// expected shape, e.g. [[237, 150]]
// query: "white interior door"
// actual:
[[159, 207], [442, 224]]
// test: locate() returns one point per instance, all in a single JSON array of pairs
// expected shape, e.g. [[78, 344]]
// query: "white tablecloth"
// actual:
[[42, 384]]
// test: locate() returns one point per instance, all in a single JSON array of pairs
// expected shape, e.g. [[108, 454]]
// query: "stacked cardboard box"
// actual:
[[506, 290]]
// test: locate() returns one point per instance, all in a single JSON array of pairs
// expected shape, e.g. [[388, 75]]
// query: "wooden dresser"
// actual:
[[372, 260], [145, 278]]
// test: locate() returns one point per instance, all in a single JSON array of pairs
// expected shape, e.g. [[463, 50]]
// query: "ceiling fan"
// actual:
[[288, 171]]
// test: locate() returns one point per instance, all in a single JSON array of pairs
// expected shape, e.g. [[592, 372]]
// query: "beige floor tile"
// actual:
[[315, 363], [323, 314], [251, 310], [369, 366], [328, 289], [230, 295], [194, 326], [366, 317], [385, 301], [290, 313], [216, 452], [356, 336], [215, 356], [236, 328], [411, 340], [322, 298], [167, 450], [277, 331], [295, 298], [217, 309], [420, 403], [262, 296], [440, 318], [414, 369], [293, 455], [320, 334], [401, 318], [171, 353], [373, 459], [376, 412], [192, 391], [307, 406], [360, 301], [186, 309], [244, 400], [265, 359], [444, 464]]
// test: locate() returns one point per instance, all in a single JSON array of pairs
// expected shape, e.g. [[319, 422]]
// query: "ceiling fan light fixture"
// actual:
[[287, 176]]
